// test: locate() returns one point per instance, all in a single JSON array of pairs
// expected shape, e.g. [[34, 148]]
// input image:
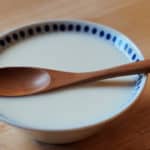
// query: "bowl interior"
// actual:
[[79, 28]]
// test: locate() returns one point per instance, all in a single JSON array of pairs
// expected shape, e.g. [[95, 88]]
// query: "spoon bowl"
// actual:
[[17, 81]]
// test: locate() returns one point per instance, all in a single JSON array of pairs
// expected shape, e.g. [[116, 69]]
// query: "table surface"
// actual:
[[131, 131]]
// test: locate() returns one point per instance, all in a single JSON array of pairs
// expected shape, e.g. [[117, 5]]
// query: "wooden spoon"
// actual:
[[21, 81]]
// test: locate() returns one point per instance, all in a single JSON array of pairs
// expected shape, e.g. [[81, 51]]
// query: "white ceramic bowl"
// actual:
[[110, 35]]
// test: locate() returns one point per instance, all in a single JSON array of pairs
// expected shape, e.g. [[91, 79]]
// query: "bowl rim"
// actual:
[[98, 123]]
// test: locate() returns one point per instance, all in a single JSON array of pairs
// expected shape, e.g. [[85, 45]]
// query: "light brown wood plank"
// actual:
[[131, 131]]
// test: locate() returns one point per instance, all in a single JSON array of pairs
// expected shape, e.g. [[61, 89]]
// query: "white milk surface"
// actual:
[[73, 107]]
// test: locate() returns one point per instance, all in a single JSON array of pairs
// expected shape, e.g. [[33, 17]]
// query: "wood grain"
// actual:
[[130, 131]]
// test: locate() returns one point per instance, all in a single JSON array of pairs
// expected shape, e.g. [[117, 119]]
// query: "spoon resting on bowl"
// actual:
[[21, 81]]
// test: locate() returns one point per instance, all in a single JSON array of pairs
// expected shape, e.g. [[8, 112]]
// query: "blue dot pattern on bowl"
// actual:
[[86, 28]]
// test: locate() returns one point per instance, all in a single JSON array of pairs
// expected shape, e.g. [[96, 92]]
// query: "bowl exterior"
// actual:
[[62, 137]]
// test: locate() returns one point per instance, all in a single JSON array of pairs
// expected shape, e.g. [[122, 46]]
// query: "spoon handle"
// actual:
[[62, 79], [126, 69]]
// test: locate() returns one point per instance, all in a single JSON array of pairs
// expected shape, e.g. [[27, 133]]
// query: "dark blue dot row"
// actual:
[[126, 47], [55, 27], [63, 27]]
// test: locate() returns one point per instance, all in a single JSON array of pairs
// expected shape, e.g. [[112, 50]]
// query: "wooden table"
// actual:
[[130, 131]]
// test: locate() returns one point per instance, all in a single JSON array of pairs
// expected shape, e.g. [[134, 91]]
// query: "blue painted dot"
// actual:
[[22, 34], [94, 30], [138, 82], [46, 28], [140, 77], [137, 60], [62, 27], [108, 36], [137, 87], [55, 27], [8, 39], [2, 42], [30, 31], [125, 46], [129, 50], [120, 42], [86, 28], [101, 33], [38, 29], [114, 39], [134, 56], [15, 36], [78, 28], [70, 27]]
